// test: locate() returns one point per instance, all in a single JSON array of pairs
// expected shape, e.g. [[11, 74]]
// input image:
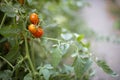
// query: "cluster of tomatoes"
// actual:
[[34, 28]]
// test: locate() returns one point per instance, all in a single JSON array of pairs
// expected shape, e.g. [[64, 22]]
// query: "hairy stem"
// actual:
[[28, 56], [32, 52], [7, 62], [3, 20]]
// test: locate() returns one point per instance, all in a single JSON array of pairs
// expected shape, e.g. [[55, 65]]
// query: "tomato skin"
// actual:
[[21, 2], [38, 33], [32, 28], [34, 18]]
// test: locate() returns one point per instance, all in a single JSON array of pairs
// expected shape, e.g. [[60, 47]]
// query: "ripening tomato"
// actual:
[[21, 1], [38, 33], [32, 28], [34, 18]]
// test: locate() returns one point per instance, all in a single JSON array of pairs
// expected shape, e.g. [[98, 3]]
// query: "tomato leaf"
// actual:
[[63, 47], [28, 77], [66, 36], [80, 37], [9, 10], [106, 68], [29, 1], [45, 73], [5, 75], [81, 65], [78, 67], [56, 57], [13, 53], [10, 31], [48, 66], [68, 69]]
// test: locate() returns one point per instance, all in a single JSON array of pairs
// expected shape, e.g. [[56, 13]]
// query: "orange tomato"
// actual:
[[34, 18], [32, 28]]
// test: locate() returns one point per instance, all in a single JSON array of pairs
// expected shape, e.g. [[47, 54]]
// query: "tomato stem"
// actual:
[[3, 20], [32, 52], [6, 2], [52, 39], [28, 56], [7, 62]]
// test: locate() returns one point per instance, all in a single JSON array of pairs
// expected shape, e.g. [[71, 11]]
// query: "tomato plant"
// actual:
[[62, 53]]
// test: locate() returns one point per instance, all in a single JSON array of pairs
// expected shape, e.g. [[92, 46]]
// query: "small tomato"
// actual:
[[32, 28], [38, 33], [34, 18]]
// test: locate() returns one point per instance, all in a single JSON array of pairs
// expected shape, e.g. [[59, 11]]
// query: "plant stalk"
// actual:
[[28, 56], [3, 20], [7, 62], [32, 53]]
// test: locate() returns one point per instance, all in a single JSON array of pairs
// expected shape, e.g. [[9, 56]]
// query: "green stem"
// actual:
[[28, 56], [32, 52], [6, 2], [7, 62], [3, 20], [27, 66], [51, 39]]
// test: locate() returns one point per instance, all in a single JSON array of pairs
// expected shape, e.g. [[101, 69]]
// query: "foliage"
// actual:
[[62, 53]]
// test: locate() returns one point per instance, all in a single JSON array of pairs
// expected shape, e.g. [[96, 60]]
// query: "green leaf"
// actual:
[[81, 65], [45, 73], [9, 10], [80, 37], [63, 47], [66, 36], [106, 68], [13, 53], [28, 77], [78, 67], [6, 75], [9, 31], [48, 66], [92, 72], [87, 64], [29, 1], [68, 69], [56, 57]]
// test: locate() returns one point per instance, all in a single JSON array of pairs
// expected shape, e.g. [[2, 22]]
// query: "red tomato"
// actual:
[[38, 33], [34, 18]]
